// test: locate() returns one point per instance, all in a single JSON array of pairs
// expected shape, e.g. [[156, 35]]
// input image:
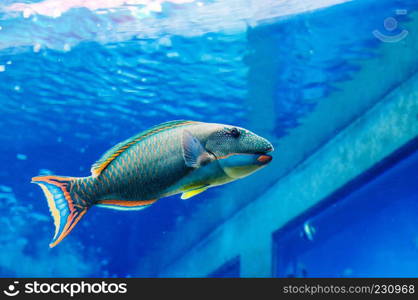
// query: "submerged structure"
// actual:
[[332, 84]]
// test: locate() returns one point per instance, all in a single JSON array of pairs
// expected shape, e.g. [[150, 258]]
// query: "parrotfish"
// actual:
[[185, 157]]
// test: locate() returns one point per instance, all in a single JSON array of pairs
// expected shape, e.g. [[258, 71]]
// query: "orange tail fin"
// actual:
[[65, 211]]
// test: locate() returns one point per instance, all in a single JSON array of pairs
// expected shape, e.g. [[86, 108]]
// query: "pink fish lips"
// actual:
[[202, 155], [264, 158]]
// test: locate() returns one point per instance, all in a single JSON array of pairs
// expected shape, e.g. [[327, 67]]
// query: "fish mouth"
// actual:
[[264, 158]]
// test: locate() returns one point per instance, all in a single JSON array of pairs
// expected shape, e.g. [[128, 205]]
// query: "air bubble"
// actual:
[[36, 47]]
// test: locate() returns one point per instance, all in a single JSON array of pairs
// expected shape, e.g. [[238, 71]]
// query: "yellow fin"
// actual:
[[194, 192]]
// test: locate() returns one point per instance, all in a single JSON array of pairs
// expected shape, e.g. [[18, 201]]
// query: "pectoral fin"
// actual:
[[194, 154], [194, 192]]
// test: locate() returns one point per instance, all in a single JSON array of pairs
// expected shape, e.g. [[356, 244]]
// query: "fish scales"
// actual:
[[157, 165], [184, 157]]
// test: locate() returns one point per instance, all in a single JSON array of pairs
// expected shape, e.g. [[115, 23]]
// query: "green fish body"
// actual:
[[175, 157]]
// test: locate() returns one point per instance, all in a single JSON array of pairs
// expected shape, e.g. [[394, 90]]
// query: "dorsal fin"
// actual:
[[117, 150]]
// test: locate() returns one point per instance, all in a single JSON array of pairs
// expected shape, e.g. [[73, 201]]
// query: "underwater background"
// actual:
[[77, 77]]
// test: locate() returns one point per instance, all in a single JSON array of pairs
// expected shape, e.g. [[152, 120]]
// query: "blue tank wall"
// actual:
[[309, 75], [371, 232]]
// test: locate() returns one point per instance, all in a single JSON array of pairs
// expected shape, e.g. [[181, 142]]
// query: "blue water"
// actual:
[[75, 81], [373, 229]]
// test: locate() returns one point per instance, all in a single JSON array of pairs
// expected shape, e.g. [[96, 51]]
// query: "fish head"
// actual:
[[239, 151]]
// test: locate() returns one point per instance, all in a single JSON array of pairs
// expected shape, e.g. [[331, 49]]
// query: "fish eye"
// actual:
[[235, 132]]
